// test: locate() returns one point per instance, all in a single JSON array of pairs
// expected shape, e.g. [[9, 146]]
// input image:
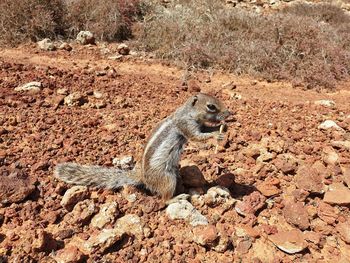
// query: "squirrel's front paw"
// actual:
[[219, 136]]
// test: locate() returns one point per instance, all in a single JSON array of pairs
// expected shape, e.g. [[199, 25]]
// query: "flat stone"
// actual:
[[337, 194], [291, 241]]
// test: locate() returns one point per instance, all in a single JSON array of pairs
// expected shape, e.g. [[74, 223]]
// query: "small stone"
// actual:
[[46, 44], [123, 49], [85, 38], [82, 212], [205, 235], [131, 224], [69, 254], [287, 163], [291, 241], [296, 214], [341, 144], [246, 231], [337, 194], [75, 99], [192, 176], [65, 46], [346, 175], [329, 156], [62, 91], [327, 213], [73, 196], [185, 210], [97, 94], [326, 103], [268, 189], [243, 246], [124, 162], [116, 57], [344, 231], [329, 124], [100, 242], [34, 86], [217, 195], [309, 179], [250, 204]]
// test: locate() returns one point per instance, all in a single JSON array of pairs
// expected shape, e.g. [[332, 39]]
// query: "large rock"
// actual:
[[85, 38], [185, 210], [329, 124], [34, 87], [73, 196], [14, 190], [46, 44]]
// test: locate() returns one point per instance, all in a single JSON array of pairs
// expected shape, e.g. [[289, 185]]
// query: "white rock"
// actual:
[[85, 38], [329, 124], [326, 103], [185, 210], [131, 224], [107, 214], [34, 86], [46, 44], [123, 49], [124, 162]]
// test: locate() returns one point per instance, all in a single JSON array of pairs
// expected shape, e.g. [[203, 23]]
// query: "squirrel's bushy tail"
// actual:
[[97, 176]]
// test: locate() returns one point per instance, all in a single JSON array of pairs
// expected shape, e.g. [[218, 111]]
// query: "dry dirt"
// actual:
[[287, 178]]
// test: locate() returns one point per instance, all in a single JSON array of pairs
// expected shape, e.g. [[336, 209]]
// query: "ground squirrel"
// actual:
[[198, 119]]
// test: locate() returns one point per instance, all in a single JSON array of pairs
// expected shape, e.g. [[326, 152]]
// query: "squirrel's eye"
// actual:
[[211, 107]]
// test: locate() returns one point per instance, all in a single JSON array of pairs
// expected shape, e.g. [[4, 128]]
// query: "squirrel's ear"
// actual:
[[194, 100]]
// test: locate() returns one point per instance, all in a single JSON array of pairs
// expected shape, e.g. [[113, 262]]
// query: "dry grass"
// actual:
[[294, 46], [30, 20]]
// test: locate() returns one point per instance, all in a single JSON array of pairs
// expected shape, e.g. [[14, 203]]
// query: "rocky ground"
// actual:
[[276, 191]]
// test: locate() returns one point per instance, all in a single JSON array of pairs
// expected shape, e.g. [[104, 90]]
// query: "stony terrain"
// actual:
[[277, 190]]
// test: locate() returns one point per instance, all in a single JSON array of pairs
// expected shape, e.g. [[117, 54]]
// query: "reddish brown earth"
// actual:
[[275, 161]]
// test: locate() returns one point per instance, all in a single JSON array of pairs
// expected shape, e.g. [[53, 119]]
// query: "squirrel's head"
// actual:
[[210, 111]]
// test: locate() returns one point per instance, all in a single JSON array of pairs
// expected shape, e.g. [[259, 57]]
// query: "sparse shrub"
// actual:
[[286, 46], [30, 20], [108, 20]]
